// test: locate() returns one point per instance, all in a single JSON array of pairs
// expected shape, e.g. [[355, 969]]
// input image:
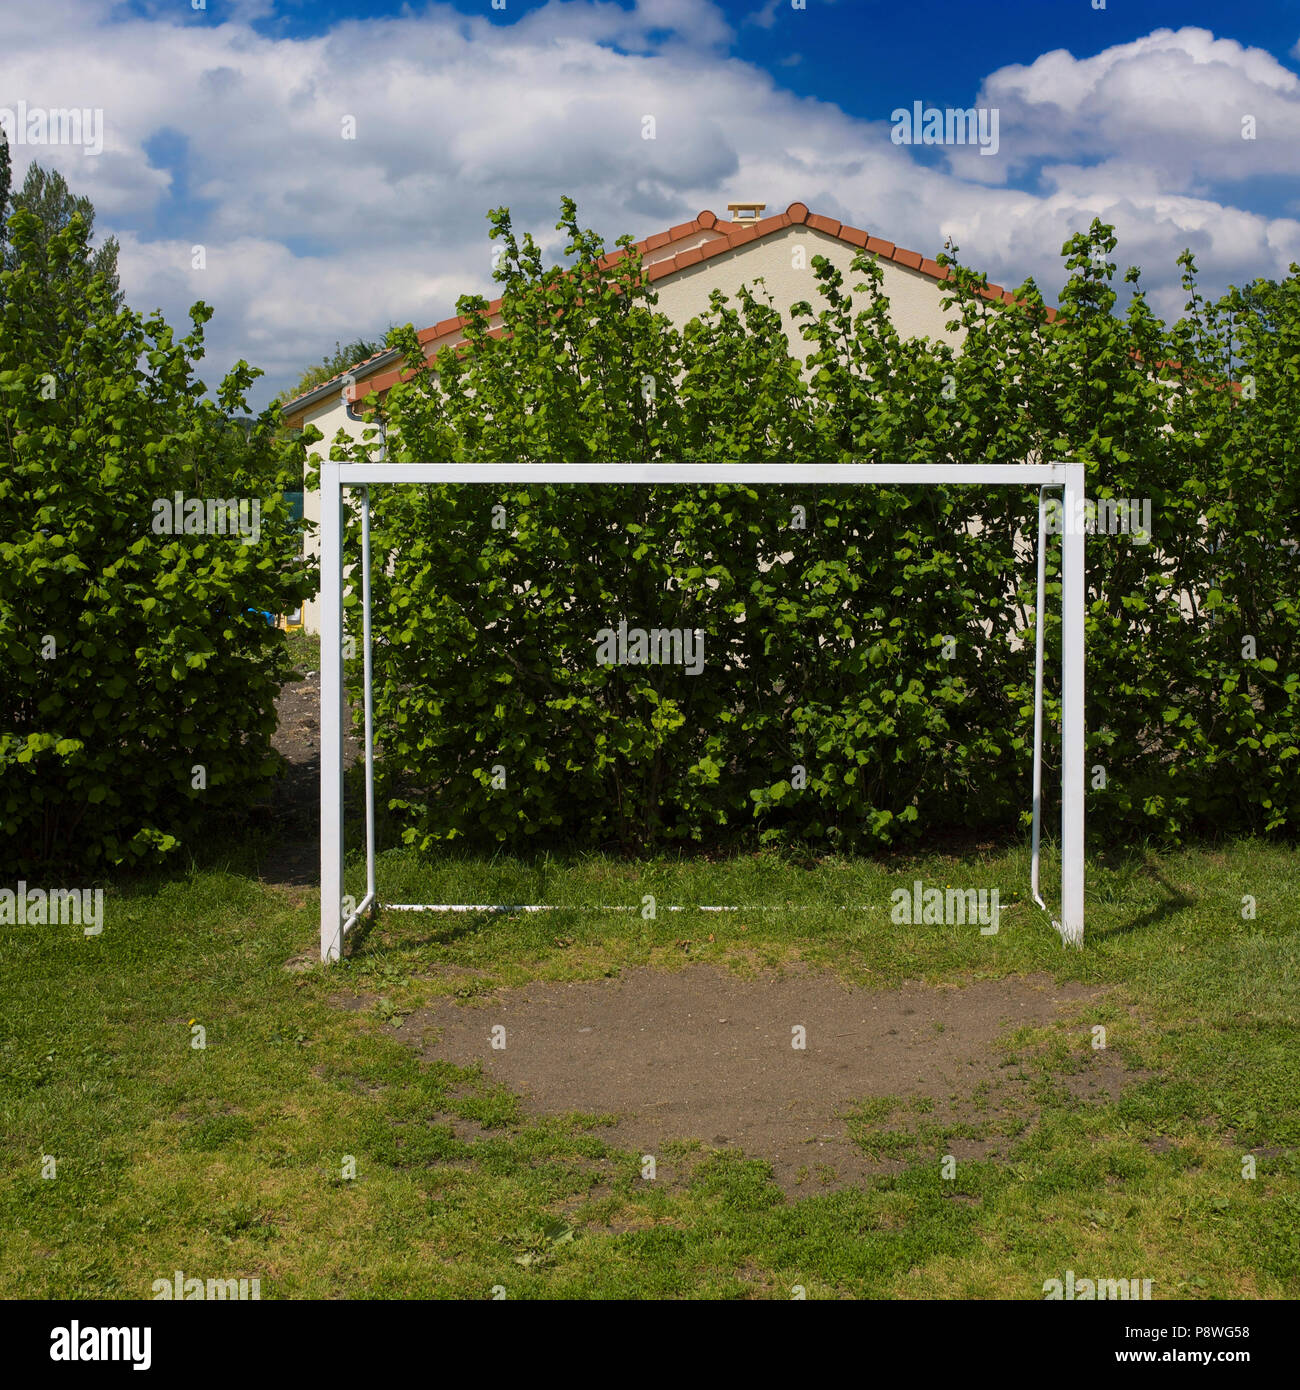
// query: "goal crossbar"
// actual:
[[338, 916]]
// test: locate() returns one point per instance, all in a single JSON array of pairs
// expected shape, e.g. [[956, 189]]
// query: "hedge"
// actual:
[[138, 701], [866, 674]]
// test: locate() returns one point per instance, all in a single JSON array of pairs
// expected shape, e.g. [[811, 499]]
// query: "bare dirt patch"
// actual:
[[702, 1055], [293, 856]]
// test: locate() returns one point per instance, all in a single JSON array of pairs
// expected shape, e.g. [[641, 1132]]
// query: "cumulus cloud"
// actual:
[[311, 236], [1177, 102]]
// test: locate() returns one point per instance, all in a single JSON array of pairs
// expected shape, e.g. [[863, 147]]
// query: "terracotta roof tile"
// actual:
[[769, 225], [823, 224], [716, 247]]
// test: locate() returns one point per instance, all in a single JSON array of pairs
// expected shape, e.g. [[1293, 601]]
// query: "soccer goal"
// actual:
[[338, 915]]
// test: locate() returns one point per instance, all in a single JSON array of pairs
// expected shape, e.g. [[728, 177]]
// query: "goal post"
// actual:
[[336, 478]]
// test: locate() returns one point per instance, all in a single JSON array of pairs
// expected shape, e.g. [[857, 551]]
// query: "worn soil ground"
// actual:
[[698, 1059], [293, 855]]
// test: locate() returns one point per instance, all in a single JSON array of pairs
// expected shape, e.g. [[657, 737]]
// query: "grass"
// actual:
[[304, 649], [233, 1159]]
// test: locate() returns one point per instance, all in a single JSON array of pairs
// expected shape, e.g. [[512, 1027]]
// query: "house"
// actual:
[[686, 264]]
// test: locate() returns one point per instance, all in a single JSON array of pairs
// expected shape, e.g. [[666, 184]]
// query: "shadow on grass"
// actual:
[[458, 926], [1175, 901]]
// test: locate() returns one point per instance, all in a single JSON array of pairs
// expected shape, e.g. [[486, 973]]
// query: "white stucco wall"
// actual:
[[783, 260], [915, 300], [329, 418]]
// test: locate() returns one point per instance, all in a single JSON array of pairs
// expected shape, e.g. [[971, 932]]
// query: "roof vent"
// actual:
[[746, 212]]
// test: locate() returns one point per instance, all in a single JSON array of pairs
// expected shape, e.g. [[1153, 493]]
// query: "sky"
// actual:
[[336, 162]]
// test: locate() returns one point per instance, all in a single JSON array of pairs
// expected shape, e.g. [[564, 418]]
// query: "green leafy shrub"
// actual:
[[132, 656], [868, 673]]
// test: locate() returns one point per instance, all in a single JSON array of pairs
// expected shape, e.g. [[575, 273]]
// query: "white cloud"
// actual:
[[765, 16], [311, 237], [1176, 100]]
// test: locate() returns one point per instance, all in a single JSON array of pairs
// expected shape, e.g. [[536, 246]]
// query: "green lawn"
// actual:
[[228, 1160]]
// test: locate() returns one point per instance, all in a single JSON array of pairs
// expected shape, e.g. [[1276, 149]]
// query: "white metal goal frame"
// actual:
[[337, 914]]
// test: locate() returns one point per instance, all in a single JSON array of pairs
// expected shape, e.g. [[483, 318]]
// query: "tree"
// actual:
[[48, 198], [139, 698], [4, 196]]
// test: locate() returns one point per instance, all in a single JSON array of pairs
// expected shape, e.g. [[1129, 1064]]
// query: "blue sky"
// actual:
[[224, 130]]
